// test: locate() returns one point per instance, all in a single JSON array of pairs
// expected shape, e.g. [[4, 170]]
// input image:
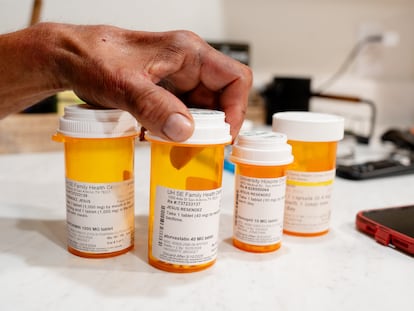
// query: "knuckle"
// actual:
[[145, 109], [186, 41], [248, 75]]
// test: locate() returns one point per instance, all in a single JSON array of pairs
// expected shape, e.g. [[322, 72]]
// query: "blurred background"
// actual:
[[358, 48]]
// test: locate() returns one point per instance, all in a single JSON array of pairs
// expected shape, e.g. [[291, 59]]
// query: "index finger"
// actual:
[[233, 80]]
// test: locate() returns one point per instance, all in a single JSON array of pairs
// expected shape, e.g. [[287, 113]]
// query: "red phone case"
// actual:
[[383, 234]]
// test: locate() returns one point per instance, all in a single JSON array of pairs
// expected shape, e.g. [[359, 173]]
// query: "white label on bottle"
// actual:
[[259, 207], [100, 216], [186, 225], [308, 201]]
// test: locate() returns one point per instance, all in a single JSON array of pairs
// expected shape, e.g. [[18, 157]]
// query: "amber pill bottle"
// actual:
[[310, 178], [99, 168], [261, 159], [185, 194]]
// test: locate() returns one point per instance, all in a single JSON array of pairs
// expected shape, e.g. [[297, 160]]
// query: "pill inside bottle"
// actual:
[[181, 155]]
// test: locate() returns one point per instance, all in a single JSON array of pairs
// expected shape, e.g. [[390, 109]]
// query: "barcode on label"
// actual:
[[161, 232], [236, 207]]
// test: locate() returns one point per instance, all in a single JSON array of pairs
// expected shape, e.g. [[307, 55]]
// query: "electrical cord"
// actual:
[[320, 92], [348, 61]]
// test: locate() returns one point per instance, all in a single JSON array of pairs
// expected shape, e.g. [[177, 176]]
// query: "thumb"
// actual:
[[162, 113]]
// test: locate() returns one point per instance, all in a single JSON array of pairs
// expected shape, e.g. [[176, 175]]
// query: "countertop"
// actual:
[[343, 270]]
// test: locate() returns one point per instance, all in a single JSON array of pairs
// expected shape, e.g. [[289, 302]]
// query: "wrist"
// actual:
[[28, 72], [47, 43]]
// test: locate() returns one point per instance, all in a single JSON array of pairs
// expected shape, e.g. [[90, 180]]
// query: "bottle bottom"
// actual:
[[98, 255], [304, 234], [169, 267], [256, 248]]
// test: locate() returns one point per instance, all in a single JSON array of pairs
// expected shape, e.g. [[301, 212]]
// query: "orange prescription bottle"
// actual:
[[313, 137], [185, 194], [261, 159], [99, 165]]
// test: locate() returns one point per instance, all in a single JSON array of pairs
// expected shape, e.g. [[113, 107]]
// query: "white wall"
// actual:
[[203, 17]]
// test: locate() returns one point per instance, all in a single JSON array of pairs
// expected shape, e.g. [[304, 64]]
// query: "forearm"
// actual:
[[27, 70]]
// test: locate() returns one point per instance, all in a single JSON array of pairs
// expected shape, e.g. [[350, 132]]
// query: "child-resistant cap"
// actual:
[[210, 128], [309, 126], [85, 121], [261, 148]]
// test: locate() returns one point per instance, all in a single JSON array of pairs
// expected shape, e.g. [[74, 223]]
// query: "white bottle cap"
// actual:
[[261, 148], [309, 126], [85, 121], [209, 128]]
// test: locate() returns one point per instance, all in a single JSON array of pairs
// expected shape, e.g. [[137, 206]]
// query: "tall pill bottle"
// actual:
[[99, 165], [185, 194], [261, 159], [313, 137]]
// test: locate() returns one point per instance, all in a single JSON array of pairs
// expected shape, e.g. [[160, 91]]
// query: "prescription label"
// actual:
[[259, 209], [100, 216], [186, 225], [308, 201]]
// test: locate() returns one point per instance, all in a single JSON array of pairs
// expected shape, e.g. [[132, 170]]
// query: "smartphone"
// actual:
[[392, 226], [392, 166]]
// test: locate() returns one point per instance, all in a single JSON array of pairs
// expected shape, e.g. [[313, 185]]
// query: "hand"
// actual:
[[154, 76]]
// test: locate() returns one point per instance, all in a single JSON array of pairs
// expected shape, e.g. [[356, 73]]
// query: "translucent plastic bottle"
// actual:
[[313, 137], [185, 193], [261, 160], [99, 165]]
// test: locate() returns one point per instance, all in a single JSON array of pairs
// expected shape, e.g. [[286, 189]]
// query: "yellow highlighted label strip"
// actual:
[[309, 184]]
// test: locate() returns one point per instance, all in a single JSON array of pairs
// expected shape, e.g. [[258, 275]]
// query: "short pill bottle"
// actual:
[[185, 194], [99, 149], [310, 178], [260, 159]]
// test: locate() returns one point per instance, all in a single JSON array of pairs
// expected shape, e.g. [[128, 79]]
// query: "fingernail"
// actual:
[[177, 127]]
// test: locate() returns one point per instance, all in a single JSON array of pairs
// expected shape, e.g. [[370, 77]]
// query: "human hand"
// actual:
[[151, 75]]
